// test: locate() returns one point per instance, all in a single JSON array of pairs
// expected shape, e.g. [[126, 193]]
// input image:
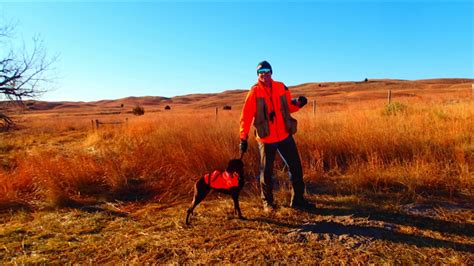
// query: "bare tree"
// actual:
[[22, 73]]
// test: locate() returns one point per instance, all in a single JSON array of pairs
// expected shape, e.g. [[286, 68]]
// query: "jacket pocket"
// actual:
[[261, 119], [293, 125], [263, 129]]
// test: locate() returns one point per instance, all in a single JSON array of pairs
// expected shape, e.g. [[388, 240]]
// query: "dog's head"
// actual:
[[236, 165]]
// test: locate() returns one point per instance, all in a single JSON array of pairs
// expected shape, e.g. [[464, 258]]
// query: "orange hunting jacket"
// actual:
[[223, 180], [260, 102]]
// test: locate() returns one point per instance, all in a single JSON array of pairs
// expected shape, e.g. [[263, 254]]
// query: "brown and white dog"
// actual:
[[229, 182]]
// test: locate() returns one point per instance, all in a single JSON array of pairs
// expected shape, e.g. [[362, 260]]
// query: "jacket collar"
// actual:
[[261, 84]]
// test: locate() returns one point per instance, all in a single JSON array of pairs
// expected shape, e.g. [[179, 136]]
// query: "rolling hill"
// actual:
[[325, 93]]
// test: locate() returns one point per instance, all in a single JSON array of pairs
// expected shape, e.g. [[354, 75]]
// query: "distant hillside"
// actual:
[[129, 101], [326, 93]]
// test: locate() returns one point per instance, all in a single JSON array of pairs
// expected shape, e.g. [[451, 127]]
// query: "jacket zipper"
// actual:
[[273, 107]]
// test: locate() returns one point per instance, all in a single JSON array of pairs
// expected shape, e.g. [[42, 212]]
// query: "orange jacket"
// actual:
[[261, 101], [223, 180]]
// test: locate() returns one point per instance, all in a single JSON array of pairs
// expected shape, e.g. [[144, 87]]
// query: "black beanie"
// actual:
[[264, 64]]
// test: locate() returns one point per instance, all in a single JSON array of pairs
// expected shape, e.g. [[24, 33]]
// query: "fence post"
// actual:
[[216, 113], [389, 96], [92, 121], [314, 107], [472, 91], [97, 123]]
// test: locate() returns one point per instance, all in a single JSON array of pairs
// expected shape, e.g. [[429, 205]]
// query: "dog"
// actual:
[[231, 183]]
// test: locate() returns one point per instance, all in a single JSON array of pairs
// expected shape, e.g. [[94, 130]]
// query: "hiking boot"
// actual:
[[303, 204], [269, 207]]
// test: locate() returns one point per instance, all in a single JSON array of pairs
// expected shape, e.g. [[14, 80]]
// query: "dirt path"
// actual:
[[339, 231]]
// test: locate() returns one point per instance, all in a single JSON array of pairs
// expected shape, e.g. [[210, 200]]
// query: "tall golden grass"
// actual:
[[404, 150]]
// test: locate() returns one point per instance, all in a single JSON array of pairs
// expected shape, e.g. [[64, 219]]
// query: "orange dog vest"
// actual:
[[223, 180]]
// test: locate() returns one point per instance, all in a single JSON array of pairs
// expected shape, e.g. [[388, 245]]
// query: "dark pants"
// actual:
[[289, 153]]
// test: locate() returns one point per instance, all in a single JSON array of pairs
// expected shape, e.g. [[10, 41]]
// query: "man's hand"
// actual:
[[302, 101], [243, 145]]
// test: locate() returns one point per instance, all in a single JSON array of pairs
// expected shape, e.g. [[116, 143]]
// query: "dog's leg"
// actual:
[[200, 192], [235, 197]]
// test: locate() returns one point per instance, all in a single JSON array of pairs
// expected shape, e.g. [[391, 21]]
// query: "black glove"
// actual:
[[243, 145], [302, 101]]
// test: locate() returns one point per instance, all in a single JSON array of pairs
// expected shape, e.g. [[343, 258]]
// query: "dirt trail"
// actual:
[[340, 230]]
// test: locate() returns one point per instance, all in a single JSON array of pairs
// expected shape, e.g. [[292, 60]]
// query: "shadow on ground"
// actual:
[[375, 233], [376, 215]]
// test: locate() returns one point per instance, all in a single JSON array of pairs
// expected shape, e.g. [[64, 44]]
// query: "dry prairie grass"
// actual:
[[410, 152], [125, 189]]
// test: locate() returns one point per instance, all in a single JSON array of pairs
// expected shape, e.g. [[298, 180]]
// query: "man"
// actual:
[[269, 105]]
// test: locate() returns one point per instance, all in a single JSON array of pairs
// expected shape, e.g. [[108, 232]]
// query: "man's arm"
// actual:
[[293, 104], [247, 115]]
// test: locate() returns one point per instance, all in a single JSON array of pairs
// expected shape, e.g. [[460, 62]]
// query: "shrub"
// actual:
[[394, 108], [138, 110]]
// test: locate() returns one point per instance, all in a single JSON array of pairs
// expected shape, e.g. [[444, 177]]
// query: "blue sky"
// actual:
[[110, 50]]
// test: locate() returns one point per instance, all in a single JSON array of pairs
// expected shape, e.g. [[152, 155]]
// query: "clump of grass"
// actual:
[[395, 108], [364, 146]]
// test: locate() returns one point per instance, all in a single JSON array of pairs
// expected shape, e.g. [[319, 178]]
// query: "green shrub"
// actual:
[[394, 108]]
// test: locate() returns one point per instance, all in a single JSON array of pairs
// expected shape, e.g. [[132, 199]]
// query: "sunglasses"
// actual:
[[263, 71]]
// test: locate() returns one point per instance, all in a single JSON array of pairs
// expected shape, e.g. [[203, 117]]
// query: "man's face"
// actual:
[[265, 76]]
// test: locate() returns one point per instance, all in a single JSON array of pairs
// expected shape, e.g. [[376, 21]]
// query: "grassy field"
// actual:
[[393, 183]]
